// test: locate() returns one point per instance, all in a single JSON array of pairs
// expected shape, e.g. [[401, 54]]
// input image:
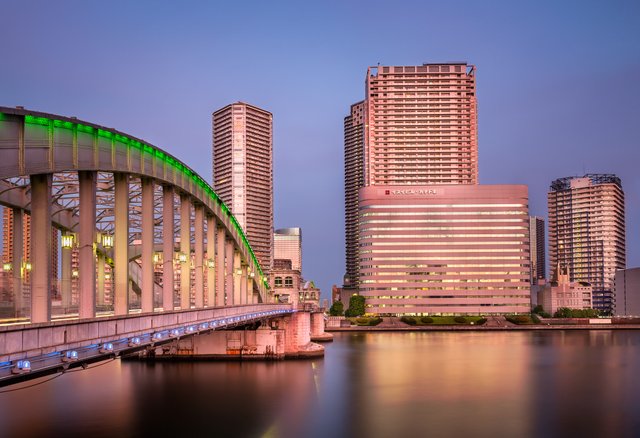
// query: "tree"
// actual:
[[562, 312], [337, 309], [538, 309], [356, 306]]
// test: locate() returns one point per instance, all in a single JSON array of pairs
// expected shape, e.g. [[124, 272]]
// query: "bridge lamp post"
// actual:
[[211, 263], [107, 241], [6, 267], [157, 257], [182, 257], [67, 241]]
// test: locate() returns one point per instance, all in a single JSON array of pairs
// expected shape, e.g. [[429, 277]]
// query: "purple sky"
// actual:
[[557, 86]]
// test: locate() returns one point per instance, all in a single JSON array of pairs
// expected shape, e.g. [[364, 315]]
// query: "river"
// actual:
[[399, 385]]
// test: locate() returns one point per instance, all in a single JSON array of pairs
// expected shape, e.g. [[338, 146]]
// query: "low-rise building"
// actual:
[[562, 292]]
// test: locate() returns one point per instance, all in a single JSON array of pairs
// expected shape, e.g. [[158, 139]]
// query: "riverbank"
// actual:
[[390, 324]]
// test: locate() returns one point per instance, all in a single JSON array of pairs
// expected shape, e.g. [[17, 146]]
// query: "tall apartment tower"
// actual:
[[536, 245], [587, 232], [353, 181], [421, 125], [243, 172], [287, 245]]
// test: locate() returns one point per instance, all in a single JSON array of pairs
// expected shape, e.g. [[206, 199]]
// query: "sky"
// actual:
[[557, 86]]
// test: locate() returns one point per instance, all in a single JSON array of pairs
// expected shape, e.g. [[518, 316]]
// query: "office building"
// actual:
[[444, 249], [536, 243], [587, 232], [243, 172], [627, 292]]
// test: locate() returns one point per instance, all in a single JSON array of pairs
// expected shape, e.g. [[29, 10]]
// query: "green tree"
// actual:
[[356, 306], [563, 312], [336, 309], [538, 309]]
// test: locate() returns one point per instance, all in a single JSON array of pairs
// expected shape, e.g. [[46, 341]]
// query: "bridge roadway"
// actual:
[[33, 350]]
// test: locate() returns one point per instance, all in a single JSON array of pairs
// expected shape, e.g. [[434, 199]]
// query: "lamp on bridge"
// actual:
[[238, 272], [157, 257], [252, 274], [6, 266], [211, 263], [107, 240], [182, 257], [27, 266], [67, 241]]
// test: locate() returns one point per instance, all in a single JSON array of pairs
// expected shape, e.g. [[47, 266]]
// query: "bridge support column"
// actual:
[[167, 248], [147, 245], [244, 293], [101, 279], [211, 256], [185, 251], [86, 244], [40, 247], [220, 266], [65, 278], [121, 244], [250, 294], [228, 272], [198, 256], [237, 278], [16, 261]]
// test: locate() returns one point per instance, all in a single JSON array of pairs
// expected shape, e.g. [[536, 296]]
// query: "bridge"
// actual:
[[111, 245]]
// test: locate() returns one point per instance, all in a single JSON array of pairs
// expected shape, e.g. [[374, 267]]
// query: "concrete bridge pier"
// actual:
[[298, 343], [317, 328]]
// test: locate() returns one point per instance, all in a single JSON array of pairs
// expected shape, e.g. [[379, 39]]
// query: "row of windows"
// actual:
[[409, 297], [445, 206], [434, 236], [288, 282], [440, 213], [426, 221]]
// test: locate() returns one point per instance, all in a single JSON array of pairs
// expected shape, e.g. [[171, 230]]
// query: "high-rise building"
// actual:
[[587, 232], [421, 125], [536, 242], [243, 172], [353, 181], [444, 249], [287, 245], [429, 239]]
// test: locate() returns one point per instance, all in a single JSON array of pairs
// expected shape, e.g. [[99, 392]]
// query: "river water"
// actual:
[[469, 384]]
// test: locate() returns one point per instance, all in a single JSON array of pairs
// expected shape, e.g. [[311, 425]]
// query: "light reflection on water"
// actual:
[[516, 384]]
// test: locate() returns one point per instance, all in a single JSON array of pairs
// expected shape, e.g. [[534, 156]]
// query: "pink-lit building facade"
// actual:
[[243, 172], [444, 249]]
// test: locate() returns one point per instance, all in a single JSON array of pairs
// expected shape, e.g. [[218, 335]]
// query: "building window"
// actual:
[[278, 282], [288, 282]]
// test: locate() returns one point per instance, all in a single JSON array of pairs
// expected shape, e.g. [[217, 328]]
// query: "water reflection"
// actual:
[[374, 385]]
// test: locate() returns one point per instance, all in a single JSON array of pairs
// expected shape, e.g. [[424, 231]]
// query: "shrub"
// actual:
[[336, 309], [408, 320], [375, 321], [562, 312], [460, 320], [538, 309], [518, 319], [362, 321], [426, 320], [481, 321], [535, 318], [545, 314]]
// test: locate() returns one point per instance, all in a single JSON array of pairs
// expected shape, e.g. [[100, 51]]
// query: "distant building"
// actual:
[[627, 290], [287, 245], [243, 172], [536, 244], [587, 232], [444, 249], [309, 293], [285, 282], [562, 292]]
